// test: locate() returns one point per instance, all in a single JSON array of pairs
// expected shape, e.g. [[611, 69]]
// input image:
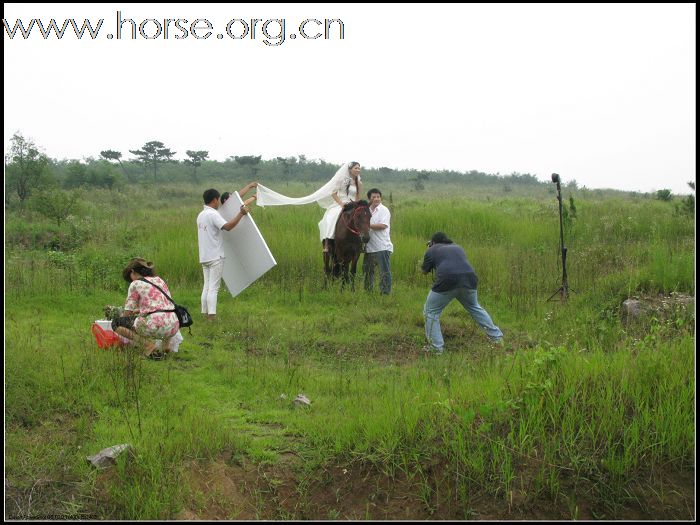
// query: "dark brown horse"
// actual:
[[351, 230]]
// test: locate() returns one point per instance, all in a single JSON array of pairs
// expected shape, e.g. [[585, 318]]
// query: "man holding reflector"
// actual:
[[210, 224]]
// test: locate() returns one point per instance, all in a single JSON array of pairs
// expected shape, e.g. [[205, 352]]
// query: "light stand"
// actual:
[[563, 290]]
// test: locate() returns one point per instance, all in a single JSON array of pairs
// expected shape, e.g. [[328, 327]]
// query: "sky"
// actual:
[[603, 94]]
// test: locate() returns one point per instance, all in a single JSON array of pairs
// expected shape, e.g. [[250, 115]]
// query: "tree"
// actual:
[[249, 160], [96, 174], [115, 155], [288, 164], [572, 184], [76, 175], [572, 206], [664, 195], [56, 204], [521, 178], [687, 205], [153, 152], [24, 166], [420, 178], [195, 160]]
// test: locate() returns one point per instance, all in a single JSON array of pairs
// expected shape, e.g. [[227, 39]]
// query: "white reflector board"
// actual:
[[247, 254]]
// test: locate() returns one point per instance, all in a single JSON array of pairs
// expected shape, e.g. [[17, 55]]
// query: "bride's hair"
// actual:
[[350, 166]]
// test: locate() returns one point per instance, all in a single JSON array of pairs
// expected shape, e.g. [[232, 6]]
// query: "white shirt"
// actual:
[[379, 240], [211, 242]]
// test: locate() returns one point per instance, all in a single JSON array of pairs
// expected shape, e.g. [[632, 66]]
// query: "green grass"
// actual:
[[574, 411]]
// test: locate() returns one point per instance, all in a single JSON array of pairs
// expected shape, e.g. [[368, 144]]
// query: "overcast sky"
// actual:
[[604, 94]]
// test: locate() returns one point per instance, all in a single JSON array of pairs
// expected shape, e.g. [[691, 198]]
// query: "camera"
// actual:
[[555, 177]]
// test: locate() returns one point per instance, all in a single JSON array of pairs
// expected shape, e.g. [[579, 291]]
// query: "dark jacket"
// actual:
[[451, 265]]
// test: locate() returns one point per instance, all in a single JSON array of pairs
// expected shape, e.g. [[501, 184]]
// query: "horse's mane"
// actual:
[[354, 204]]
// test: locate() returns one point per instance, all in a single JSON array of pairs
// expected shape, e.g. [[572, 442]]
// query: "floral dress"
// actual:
[[145, 298]]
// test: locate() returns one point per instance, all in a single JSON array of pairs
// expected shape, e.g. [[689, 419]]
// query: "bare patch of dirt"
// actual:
[[227, 489], [220, 491], [360, 491]]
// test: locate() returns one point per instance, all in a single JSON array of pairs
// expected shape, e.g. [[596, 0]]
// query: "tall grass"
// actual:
[[578, 406], [513, 244]]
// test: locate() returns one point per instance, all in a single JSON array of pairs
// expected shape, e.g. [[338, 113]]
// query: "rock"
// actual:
[[302, 400], [633, 309], [685, 301], [660, 306], [108, 456]]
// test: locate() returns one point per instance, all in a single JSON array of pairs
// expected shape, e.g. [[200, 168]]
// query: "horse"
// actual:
[[351, 230]]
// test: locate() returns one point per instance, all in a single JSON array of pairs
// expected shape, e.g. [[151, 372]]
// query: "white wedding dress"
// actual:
[[341, 183], [346, 193]]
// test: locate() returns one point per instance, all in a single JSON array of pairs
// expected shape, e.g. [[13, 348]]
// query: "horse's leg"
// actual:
[[346, 268], [329, 257], [342, 272], [353, 270], [326, 268], [337, 265], [329, 260]]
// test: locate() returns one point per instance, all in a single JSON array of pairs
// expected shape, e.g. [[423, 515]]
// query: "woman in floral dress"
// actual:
[[148, 314]]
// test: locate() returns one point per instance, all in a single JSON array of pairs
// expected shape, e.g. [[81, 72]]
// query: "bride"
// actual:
[[344, 187]]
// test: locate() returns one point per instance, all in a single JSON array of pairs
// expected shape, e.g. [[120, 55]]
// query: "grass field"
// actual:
[[579, 416]]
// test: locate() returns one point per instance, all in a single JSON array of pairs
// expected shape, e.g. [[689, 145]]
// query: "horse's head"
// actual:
[[362, 217], [352, 228], [355, 219]]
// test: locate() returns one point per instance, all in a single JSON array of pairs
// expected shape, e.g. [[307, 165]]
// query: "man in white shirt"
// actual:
[[379, 248], [211, 245]]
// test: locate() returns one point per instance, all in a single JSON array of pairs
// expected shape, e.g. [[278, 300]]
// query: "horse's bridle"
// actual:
[[352, 219]]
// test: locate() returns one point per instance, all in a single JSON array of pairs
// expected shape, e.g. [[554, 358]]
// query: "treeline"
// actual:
[[28, 170], [153, 163], [51, 204]]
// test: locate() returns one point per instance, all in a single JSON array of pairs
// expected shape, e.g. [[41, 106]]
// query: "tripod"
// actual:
[[563, 290]]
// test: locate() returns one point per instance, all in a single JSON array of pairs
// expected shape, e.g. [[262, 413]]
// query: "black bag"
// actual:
[[183, 316]]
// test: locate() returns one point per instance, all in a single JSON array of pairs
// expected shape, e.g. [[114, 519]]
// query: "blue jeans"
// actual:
[[368, 264], [436, 303]]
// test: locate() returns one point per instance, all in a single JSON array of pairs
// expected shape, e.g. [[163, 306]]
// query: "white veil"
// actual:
[[267, 197]]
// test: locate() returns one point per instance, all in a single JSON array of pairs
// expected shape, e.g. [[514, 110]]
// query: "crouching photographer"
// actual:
[[455, 279], [148, 315]]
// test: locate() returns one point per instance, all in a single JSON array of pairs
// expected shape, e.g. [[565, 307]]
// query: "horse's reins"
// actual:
[[352, 219]]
